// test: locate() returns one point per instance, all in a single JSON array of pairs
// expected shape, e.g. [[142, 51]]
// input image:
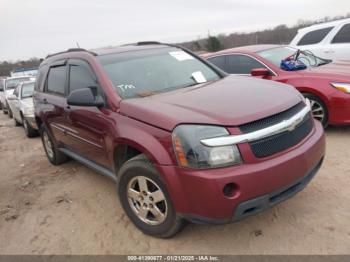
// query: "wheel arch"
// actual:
[[127, 148], [315, 92]]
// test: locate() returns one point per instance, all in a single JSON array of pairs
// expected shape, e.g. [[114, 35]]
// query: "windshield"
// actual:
[[27, 90], [12, 83], [147, 72], [276, 55]]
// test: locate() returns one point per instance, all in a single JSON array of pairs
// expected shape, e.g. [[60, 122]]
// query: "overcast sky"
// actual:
[[34, 28]]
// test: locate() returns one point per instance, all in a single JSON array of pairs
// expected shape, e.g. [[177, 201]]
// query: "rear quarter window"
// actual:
[[314, 37], [343, 36]]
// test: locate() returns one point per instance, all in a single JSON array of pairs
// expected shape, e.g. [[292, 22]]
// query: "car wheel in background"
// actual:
[[28, 130], [16, 122], [318, 108], [146, 200], [9, 112], [53, 154]]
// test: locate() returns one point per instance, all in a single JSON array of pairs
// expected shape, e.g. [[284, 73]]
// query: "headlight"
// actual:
[[191, 153], [344, 87], [28, 111]]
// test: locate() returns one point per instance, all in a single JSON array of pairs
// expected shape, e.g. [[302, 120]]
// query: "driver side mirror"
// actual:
[[85, 97], [260, 72], [1, 89], [12, 97]]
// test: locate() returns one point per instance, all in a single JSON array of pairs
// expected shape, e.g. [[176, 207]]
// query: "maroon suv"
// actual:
[[183, 140]]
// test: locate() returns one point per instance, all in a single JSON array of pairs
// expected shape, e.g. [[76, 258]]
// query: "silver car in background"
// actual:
[[2, 90], [22, 107], [10, 84]]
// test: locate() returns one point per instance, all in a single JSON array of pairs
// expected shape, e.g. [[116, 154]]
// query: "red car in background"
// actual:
[[324, 82]]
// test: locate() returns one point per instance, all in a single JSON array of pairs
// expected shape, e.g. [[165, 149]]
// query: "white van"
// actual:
[[327, 40]]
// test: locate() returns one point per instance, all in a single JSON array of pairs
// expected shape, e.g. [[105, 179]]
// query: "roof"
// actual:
[[18, 70], [126, 48], [327, 24], [114, 49], [245, 49]]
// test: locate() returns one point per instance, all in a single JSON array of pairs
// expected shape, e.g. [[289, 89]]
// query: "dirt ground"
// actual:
[[70, 209]]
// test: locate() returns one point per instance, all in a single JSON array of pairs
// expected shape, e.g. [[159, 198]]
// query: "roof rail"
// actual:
[[144, 43], [71, 50], [148, 43]]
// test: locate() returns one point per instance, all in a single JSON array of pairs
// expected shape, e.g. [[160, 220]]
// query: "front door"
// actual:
[[86, 126]]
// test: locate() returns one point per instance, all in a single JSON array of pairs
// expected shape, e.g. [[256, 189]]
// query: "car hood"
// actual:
[[337, 70], [231, 101]]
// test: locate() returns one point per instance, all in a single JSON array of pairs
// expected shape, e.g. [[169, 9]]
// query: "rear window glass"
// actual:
[[56, 80], [314, 37], [343, 36]]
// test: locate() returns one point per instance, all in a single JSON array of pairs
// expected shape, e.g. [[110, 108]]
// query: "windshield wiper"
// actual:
[[145, 94]]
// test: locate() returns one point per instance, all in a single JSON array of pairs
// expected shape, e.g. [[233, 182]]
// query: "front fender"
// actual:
[[154, 142]]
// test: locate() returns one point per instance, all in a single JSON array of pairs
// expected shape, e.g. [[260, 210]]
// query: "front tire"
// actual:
[[145, 199], [318, 108], [53, 154]]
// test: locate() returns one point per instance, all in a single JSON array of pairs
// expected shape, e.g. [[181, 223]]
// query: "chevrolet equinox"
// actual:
[[182, 140]]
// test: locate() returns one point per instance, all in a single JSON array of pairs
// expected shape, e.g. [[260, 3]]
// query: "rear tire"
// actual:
[[9, 111], [53, 154], [16, 122], [152, 213], [318, 108], [28, 130]]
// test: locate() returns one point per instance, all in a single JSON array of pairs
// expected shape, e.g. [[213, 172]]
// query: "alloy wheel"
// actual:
[[147, 200], [317, 110], [48, 145]]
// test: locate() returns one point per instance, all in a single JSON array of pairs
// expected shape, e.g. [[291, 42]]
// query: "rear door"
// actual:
[[53, 100], [340, 43], [86, 126]]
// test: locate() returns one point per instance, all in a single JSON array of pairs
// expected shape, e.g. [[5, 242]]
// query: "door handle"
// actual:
[[45, 101]]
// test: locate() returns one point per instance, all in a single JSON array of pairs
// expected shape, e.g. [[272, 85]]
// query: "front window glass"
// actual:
[[241, 64], [12, 83], [276, 55], [27, 90], [80, 77], [146, 72]]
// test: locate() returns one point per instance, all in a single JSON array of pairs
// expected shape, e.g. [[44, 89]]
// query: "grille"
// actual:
[[272, 120], [277, 143]]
